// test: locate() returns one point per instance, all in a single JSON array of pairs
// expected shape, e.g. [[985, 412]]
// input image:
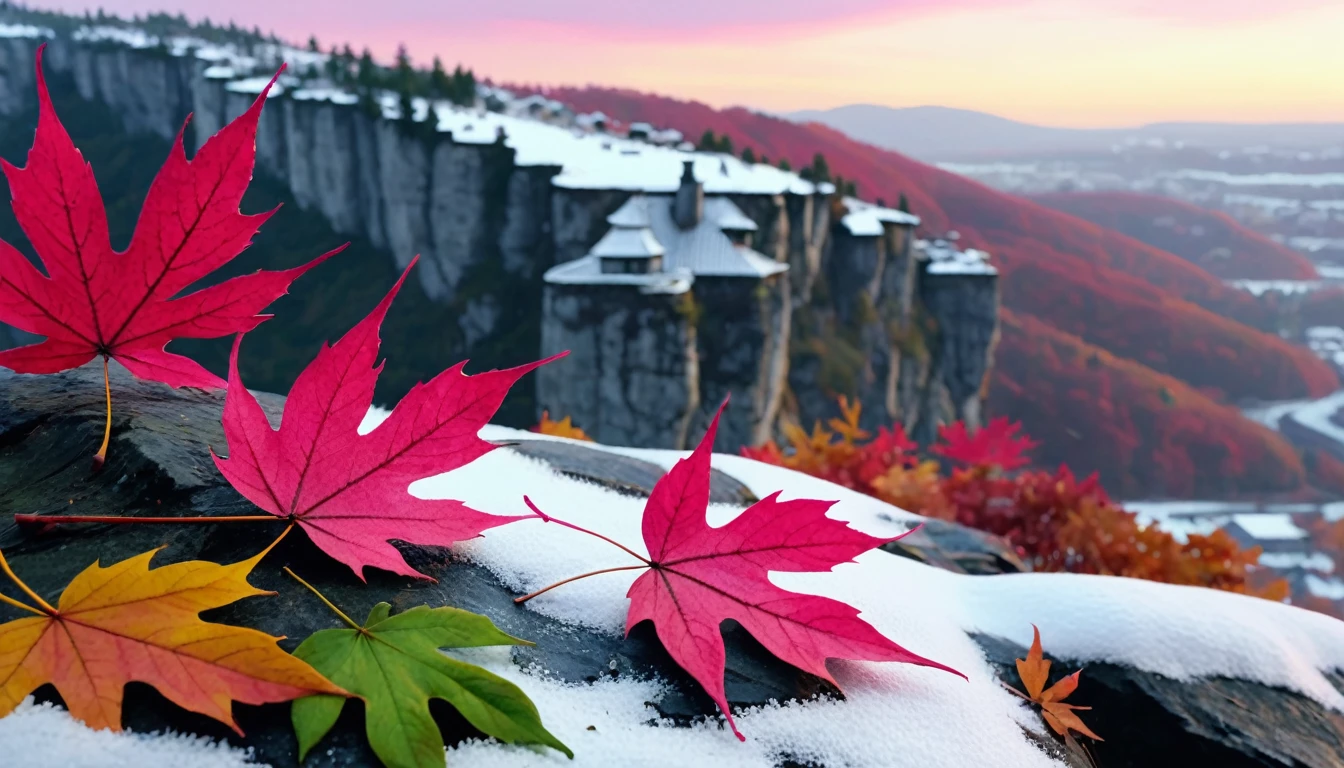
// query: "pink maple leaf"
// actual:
[[698, 576], [347, 491]]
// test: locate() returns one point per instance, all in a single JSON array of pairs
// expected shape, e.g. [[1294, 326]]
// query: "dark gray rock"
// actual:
[[1150, 721]]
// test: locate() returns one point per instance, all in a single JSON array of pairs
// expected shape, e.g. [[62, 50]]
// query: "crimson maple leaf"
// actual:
[[698, 576], [349, 491], [996, 444], [94, 301]]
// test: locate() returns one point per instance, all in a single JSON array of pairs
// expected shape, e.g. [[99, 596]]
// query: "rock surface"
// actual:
[[159, 465], [1156, 722]]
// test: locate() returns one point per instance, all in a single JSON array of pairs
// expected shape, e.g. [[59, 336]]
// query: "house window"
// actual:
[[631, 266], [739, 236]]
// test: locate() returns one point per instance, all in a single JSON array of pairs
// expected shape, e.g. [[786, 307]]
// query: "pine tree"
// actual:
[[784, 165], [708, 142], [440, 87], [313, 45], [367, 74], [748, 156], [820, 170], [903, 205], [725, 145], [406, 106]]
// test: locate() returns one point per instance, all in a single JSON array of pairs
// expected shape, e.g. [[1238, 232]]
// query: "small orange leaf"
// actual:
[[562, 428], [1060, 717], [130, 623], [1061, 690], [1035, 671]]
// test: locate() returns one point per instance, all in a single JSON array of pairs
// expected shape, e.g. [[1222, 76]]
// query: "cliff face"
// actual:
[[644, 370], [480, 223]]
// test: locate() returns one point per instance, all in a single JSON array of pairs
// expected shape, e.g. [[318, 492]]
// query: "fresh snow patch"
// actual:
[[46, 736], [1269, 527]]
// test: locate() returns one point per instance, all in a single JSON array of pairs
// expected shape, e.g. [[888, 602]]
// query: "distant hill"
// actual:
[[943, 133], [1212, 240], [1158, 314]]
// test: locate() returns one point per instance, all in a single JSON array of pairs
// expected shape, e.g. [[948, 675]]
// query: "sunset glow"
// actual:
[[1056, 62]]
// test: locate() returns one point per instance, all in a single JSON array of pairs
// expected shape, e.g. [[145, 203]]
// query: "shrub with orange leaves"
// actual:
[[561, 428], [1053, 520]]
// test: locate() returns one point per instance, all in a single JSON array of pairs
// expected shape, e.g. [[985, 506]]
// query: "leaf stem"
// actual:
[[24, 606], [100, 457], [4, 566], [544, 590], [548, 519], [324, 599], [124, 520]]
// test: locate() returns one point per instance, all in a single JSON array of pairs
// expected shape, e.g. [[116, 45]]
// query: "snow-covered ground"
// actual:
[[926, 717]]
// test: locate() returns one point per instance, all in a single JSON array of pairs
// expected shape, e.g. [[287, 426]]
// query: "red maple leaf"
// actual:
[[94, 301], [698, 576], [997, 444], [349, 491]]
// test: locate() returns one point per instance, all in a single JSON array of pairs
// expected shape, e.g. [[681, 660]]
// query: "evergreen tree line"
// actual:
[[361, 73]]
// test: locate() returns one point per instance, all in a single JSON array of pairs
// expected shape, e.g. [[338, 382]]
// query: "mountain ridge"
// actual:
[[933, 132]]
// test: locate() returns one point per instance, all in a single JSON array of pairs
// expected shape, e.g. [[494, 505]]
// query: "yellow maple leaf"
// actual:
[[128, 622]]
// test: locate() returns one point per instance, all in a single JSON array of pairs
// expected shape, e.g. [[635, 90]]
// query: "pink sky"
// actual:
[[1058, 62]]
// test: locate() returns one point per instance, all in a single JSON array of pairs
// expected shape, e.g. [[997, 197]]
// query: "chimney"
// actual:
[[690, 202]]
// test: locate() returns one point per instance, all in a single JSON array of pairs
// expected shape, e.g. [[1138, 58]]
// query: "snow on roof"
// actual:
[[25, 30], [588, 271], [1269, 527], [945, 258], [1330, 588], [727, 215], [634, 212], [1161, 511], [1318, 416], [645, 222], [1286, 561], [628, 243], [866, 219]]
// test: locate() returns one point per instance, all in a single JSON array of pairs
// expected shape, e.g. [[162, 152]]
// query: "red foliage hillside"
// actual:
[[1070, 272], [1222, 358], [1212, 240], [1144, 432]]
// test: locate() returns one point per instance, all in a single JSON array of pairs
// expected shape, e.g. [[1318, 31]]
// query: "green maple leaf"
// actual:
[[393, 663]]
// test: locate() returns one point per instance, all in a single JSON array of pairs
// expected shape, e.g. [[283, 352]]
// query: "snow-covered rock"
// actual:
[[1162, 661]]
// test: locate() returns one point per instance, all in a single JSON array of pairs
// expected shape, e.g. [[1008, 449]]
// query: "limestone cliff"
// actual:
[[488, 225]]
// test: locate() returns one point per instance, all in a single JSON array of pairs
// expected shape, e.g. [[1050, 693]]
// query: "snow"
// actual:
[[1269, 527], [25, 30], [865, 219], [945, 258], [1331, 588], [927, 717], [1314, 180], [1317, 414], [45, 736], [1285, 287], [1286, 561], [255, 85]]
